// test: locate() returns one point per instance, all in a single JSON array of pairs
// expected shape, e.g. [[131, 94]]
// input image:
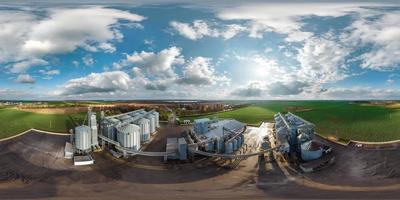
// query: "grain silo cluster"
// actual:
[[130, 129], [85, 137], [295, 136]]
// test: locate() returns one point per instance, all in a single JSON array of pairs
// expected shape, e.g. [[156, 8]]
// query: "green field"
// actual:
[[342, 120], [13, 121]]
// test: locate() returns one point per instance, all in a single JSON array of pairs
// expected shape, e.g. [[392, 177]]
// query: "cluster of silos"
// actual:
[[224, 145], [147, 123], [86, 136], [144, 125], [296, 134], [282, 132], [108, 128], [233, 144], [129, 136]]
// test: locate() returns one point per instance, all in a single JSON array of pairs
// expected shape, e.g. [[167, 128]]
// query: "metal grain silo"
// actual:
[[152, 119], [157, 118], [242, 138], [129, 136], [235, 144], [144, 125], [82, 138], [239, 140], [228, 148], [210, 145], [219, 145]]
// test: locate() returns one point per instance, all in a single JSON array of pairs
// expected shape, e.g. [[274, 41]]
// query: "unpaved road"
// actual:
[[32, 166]]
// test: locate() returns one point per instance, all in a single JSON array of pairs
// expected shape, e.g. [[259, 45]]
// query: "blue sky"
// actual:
[[195, 50]]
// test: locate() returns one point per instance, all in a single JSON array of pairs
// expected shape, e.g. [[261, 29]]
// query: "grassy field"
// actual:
[[13, 121], [342, 120]]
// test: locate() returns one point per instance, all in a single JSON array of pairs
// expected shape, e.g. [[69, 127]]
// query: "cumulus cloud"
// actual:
[[105, 82], [154, 64], [155, 86], [322, 61], [286, 88], [24, 65], [14, 27], [382, 31], [12, 94], [25, 78], [356, 93], [88, 60], [252, 89], [49, 72], [199, 29], [28, 37], [67, 29], [199, 71], [283, 18]]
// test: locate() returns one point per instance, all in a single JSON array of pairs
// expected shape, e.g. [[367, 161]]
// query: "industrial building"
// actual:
[[295, 136], [219, 136], [177, 147]]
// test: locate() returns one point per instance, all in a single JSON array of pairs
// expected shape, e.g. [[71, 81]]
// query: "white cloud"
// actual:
[[199, 29], [193, 31], [88, 60], [393, 78], [106, 82], [383, 34], [14, 27], [155, 64], [199, 71], [24, 65], [25, 78], [75, 63], [49, 72], [283, 18], [148, 42], [356, 93], [67, 29], [12, 94], [27, 37], [252, 89], [322, 61]]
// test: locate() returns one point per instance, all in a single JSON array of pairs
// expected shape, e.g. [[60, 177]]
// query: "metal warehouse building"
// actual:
[[294, 134], [220, 136]]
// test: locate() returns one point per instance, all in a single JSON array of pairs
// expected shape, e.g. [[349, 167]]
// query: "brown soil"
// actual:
[[32, 166]]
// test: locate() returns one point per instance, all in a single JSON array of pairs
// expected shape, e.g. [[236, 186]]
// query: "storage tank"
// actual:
[[235, 144], [152, 119], [228, 148], [311, 150], [157, 118], [242, 138], [82, 138], [144, 125], [219, 145], [129, 136], [239, 139], [210, 146]]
